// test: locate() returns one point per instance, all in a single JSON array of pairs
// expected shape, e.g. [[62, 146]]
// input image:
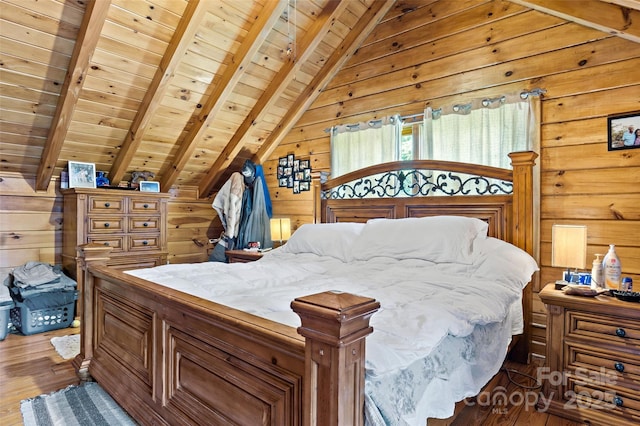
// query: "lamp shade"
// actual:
[[569, 246], [280, 229]]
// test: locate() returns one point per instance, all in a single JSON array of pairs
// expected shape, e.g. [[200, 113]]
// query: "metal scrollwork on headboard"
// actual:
[[418, 183]]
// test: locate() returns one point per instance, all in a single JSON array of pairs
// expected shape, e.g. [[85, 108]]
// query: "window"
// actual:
[[364, 144], [483, 131]]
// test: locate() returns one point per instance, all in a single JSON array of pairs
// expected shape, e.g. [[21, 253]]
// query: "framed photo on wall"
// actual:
[[623, 131], [82, 175]]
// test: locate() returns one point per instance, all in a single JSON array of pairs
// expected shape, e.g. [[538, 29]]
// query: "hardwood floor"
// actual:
[[29, 366]]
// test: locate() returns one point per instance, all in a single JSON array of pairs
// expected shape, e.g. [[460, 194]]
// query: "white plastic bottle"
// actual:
[[612, 269], [597, 273]]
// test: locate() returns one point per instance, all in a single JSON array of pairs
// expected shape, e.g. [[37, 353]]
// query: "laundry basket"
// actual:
[[30, 321]]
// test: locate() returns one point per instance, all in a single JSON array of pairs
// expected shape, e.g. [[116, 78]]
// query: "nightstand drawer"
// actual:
[[102, 204], [143, 242], [616, 401], [603, 365], [144, 224], [106, 224], [608, 328], [138, 205], [115, 241]]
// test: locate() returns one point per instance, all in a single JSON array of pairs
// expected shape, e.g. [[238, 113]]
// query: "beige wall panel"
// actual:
[[606, 181], [17, 185], [14, 240], [590, 156], [605, 76], [31, 221], [564, 134], [591, 206], [614, 101], [12, 258]]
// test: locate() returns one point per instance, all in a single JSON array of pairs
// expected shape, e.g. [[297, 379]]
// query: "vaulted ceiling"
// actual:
[[187, 89]]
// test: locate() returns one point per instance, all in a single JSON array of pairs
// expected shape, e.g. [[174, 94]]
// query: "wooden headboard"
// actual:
[[501, 197]]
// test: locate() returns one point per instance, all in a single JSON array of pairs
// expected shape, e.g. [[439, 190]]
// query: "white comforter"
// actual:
[[422, 304]]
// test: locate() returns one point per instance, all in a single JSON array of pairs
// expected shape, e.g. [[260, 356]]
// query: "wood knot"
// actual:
[[616, 213]]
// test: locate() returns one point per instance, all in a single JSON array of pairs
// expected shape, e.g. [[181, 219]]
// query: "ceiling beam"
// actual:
[[604, 16], [305, 47], [88, 35], [258, 33], [340, 56], [180, 41]]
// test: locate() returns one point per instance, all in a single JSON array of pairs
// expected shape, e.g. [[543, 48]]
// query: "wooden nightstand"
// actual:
[[242, 256], [593, 358]]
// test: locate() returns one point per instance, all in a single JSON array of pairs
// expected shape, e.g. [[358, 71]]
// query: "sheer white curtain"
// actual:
[[483, 131], [365, 144]]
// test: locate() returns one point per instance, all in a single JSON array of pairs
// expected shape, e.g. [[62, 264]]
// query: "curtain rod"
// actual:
[[485, 102]]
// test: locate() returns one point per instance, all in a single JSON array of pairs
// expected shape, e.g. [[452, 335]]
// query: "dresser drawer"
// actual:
[[140, 205], [115, 241], [104, 204], [143, 242], [144, 224], [604, 366], [106, 224], [609, 329]]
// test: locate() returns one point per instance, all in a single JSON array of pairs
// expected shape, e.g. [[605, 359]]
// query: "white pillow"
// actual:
[[498, 259], [439, 239], [325, 239]]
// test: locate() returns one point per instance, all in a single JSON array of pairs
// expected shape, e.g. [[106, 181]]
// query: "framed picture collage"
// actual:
[[294, 173]]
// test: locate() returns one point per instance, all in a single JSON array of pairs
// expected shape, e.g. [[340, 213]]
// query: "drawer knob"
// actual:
[[620, 332], [106, 243], [106, 225], [619, 367], [146, 206], [145, 224], [107, 205], [618, 401], [145, 242]]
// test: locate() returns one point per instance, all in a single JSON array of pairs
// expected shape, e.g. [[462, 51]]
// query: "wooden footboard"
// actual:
[[171, 358]]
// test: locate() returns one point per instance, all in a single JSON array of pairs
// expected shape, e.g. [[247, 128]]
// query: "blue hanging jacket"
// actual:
[[265, 189]]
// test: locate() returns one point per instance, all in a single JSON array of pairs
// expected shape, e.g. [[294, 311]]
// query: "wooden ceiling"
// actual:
[[187, 89]]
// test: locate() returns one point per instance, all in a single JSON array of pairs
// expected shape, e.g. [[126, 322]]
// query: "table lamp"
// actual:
[[568, 249], [280, 229]]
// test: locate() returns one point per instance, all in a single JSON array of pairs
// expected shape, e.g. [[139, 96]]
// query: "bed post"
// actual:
[[89, 255], [522, 235], [317, 199], [335, 326]]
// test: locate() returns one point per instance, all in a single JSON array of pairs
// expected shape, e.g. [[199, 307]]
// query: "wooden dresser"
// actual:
[[133, 223], [592, 370]]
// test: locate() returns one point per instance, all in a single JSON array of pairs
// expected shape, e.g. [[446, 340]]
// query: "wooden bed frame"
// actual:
[[170, 358]]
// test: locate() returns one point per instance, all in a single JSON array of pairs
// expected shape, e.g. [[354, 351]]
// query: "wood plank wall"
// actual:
[[449, 52]]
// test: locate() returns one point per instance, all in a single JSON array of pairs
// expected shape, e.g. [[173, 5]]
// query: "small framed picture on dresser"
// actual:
[[624, 131], [149, 186], [82, 175]]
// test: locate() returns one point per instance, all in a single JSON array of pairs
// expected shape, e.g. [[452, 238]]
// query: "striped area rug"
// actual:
[[87, 404]]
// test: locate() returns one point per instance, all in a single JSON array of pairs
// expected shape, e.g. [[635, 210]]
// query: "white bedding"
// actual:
[[423, 303]]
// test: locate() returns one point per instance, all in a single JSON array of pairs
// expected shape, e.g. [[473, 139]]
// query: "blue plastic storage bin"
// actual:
[[6, 303], [4, 320]]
